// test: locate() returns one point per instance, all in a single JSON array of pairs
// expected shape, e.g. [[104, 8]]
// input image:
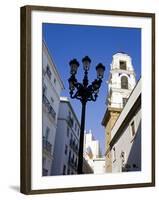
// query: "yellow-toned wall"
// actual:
[[113, 116]]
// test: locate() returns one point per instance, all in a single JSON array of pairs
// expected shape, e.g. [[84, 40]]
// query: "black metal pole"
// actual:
[[80, 154], [84, 93]]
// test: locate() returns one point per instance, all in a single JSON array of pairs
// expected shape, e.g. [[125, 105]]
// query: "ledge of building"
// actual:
[[107, 114]]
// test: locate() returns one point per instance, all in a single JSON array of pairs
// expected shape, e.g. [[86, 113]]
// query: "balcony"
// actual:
[[72, 163], [48, 72], [70, 121], [74, 146], [52, 112], [50, 109], [47, 145]]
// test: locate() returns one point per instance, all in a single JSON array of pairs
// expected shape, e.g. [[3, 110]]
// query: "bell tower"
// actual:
[[120, 84]]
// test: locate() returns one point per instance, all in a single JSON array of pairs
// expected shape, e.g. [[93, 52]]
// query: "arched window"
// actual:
[[124, 82]]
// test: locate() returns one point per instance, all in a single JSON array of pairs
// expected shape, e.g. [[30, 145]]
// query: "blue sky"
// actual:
[[66, 42]]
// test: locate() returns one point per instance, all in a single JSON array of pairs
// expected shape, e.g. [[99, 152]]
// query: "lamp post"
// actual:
[[84, 92]]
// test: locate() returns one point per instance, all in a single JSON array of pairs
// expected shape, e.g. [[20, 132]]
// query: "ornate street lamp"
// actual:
[[84, 93]]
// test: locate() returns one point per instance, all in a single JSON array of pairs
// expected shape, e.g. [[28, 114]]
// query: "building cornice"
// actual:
[[107, 114], [122, 71]]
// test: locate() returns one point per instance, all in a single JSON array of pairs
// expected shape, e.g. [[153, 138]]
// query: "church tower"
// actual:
[[120, 84]]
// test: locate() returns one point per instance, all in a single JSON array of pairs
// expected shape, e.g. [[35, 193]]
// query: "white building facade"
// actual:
[[98, 165], [125, 144], [92, 153], [91, 146], [67, 140], [52, 86]]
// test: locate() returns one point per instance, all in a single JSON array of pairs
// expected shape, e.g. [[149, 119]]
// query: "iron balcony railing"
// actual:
[[70, 121], [49, 107], [48, 72], [74, 146], [47, 145], [72, 163]]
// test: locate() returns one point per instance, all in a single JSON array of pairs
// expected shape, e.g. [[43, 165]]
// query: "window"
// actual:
[[66, 149], [69, 157], [122, 64], [74, 143], [124, 101], [52, 100], [77, 148], [78, 132], [114, 154], [122, 158], [47, 132], [44, 161], [134, 166], [44, 89], [64, 169], [133, 129], [124, 82], [48, 72], [76, 162], [67, 132], [55, 81], [68, 171], [71, 137], [72, 121], [45, 172], [73, 158]]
